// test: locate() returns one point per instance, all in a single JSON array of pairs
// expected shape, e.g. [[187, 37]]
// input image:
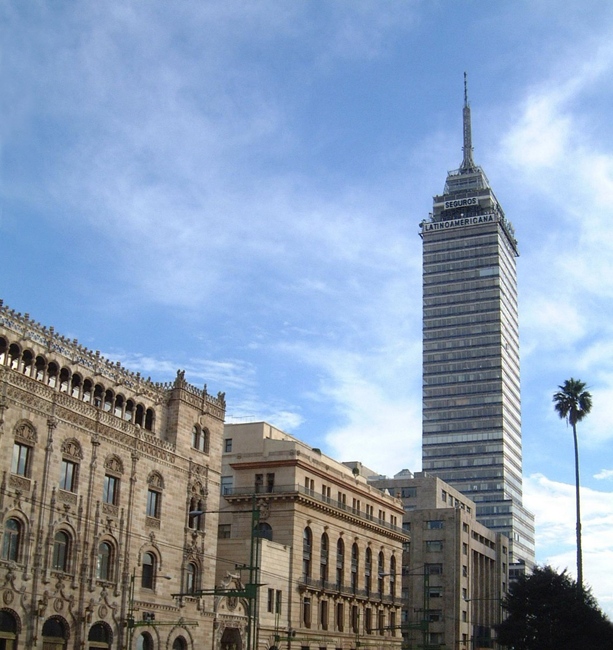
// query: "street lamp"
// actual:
[[250, 591]]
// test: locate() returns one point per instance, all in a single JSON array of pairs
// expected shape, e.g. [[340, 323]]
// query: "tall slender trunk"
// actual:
[[578, 499]]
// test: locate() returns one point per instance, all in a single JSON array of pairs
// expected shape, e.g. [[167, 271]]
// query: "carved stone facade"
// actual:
[[101, 470]]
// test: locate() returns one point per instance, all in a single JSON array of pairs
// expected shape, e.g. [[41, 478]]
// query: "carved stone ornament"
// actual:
[[264, 509], [72, 449], [155, 480], [232, 603], [25, 432], [114, 464], [8, 596]]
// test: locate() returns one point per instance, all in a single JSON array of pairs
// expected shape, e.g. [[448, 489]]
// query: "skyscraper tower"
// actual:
[[471, 392]]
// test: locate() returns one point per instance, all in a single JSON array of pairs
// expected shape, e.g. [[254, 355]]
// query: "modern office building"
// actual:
[[100, 470], [454, 571], [328, 552], [471, 384]]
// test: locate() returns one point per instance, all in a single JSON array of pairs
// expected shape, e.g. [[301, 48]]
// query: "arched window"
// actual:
[[368, 571], [87, 390], [40, 365], [154, 495], [75, 385], [307, 549], [3, 349], [191, 578], [204, 441], [28, 363], [148, 571], [105, 561], [381, 571], [61, 548], [144, 642], [8, 630], [14, 356], [179, 644], [355, 556], [98, 395], [11, 540], [140, 415], [55, 634], [118, 408], [340, 563], [196, 436], [109, 398], [99, 636], [324, 557], [393, 576], [128, 415], [149, 419], [264, 530], [52, 374], [64, 380]]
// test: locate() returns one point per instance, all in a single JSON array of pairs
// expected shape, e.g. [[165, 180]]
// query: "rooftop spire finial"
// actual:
[[467, 163]]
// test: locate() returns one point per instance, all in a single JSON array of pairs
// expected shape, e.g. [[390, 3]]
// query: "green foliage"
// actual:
[[572, 401], [547, 611]]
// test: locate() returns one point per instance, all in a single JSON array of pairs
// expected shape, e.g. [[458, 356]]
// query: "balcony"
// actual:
[[272, 490]]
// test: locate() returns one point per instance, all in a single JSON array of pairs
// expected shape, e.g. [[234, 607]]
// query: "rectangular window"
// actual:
[[21, 459], [153, 504], [271, 600], [224, 531], [340, 617], [464, 548], [433, 569], [270, 482], [368, 620], [381, 622], [434, 545], [111, 490], [434, 524], [435, 592], [408, 492], [325, 493], [393, 623], [68, 476], [355, 619], [323, 614], [227, 445], [278, 601], [259, 482], [227, 483], [306, 612]]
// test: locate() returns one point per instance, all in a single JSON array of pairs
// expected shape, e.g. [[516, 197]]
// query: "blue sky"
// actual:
[[235, 188]]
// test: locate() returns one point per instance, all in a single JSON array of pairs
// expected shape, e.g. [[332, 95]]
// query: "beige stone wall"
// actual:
[[305, 496], [456, 569]]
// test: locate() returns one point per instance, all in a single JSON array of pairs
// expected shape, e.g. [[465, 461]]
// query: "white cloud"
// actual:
[[605, 474], [553, 504]]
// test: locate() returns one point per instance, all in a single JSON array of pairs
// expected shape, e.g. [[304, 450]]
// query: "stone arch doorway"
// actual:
[[55, 634], [99, 637], [231, 639], [9, 630]]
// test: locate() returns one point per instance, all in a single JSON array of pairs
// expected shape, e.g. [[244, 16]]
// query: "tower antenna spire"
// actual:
[[468, 163]]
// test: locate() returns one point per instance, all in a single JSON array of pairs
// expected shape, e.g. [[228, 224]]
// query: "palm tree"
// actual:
[[572, 403]]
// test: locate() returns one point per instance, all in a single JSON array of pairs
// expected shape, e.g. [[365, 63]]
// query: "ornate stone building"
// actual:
[[101, 470], [329, 545]]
